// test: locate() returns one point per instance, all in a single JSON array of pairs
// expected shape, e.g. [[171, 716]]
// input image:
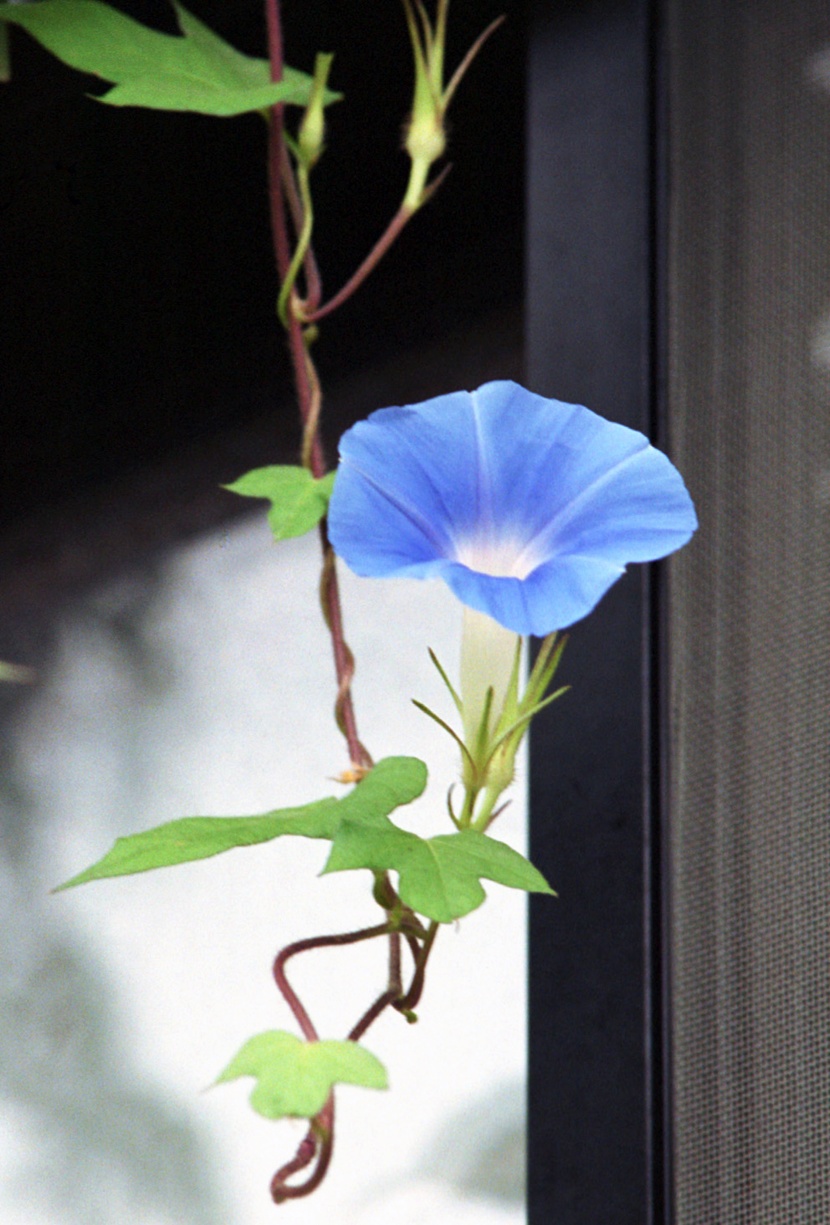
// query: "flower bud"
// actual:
[[311, 136], [425, 139]]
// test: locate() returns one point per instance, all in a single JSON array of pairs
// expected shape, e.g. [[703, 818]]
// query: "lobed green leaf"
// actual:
[[197, 72], [438, 877], [393, 782], [298, 500], [294, 1078]]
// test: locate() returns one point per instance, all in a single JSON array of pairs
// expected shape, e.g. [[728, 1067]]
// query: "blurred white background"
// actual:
[[205, 688]]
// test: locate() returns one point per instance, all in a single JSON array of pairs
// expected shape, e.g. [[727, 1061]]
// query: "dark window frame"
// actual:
[[597, 1144]]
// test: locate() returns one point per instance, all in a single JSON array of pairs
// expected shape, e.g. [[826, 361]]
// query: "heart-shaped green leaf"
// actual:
[[438, 877], [197, 72], [298, 500], [295, 1078], [392, 782]]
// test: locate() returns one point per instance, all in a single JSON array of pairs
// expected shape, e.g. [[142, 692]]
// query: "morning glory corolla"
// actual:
[[529, 509]]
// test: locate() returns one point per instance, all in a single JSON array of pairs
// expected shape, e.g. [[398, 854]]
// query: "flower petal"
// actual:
[[555, 595], [402, 494], [528, 508]]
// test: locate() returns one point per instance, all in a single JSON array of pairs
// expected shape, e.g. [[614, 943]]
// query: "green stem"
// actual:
[[465, 817], [311, 273], [302, 248], [485, 813], [415, 188]]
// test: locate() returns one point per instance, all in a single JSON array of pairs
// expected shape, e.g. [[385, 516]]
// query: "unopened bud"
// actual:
[[425, 137], [311, 137], [426, 140]]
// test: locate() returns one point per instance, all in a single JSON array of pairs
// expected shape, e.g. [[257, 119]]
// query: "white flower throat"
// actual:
[[505, 558]]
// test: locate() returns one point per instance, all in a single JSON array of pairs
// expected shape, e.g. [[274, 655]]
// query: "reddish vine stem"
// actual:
[[414, 948], [371, 1014], [275, 143], [401, 218], [306, 1152], [305, 946], [308, 396], [319, 1139], [416, 987], [395, 962], [284, 197], [372, 259], [313, 409], [321, 1132], [296, 343], [343, 658], [393, 991]]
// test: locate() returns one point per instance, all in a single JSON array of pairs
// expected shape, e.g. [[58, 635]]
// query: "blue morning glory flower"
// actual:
[[529, 509]]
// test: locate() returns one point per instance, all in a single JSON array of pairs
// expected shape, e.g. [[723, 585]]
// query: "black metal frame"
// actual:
[[596, 1147]]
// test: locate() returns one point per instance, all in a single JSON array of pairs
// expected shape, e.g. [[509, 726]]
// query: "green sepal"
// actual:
[[447, 682], [197, 72], [298, 500], [294, 1078], [393, 782], [465, 752], [438, 877]]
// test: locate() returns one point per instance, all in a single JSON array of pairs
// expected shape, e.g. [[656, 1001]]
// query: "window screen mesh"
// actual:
[[749, 601]]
